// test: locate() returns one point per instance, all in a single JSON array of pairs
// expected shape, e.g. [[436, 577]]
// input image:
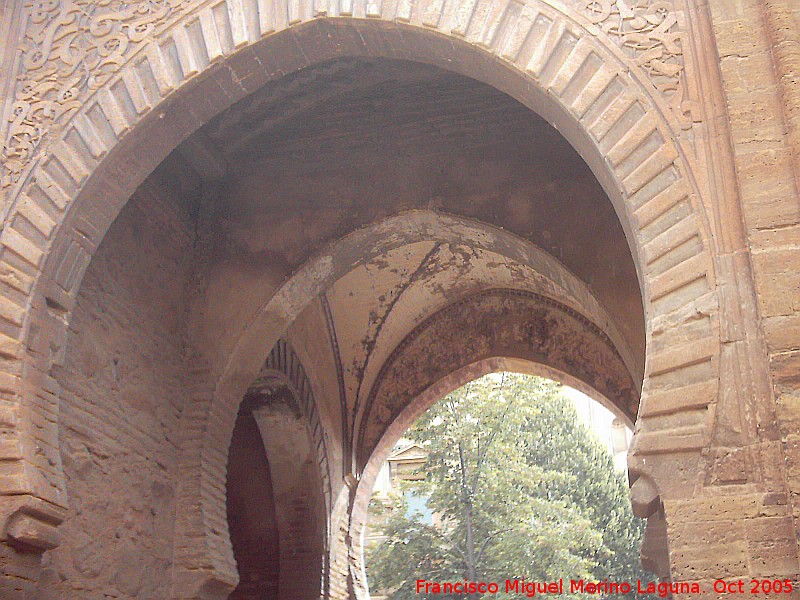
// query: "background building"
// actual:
[[609, 429]]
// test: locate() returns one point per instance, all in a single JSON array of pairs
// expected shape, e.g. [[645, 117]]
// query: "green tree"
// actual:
[[522, 489]]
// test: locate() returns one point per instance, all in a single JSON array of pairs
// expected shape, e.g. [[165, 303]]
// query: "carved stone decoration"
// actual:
[[495, 323], [650, 33], [70, 49]]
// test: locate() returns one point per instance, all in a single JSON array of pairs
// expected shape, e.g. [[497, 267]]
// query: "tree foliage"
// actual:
[[522, 489]]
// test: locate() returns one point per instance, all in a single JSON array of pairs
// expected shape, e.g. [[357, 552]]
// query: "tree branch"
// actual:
[[489, 442], [489, 539], [460, 552]]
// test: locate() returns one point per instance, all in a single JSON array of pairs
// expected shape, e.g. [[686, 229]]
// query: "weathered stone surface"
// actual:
[[644, 498]]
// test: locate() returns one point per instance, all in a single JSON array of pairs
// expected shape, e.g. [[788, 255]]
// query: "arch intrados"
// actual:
[[342, 256], [503, 321], [186, 109], [471, 372]]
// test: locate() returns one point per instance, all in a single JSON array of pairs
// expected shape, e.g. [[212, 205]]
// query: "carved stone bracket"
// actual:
[[30, 523]]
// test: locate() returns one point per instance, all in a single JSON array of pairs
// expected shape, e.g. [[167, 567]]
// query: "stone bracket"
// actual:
[[645, 498], [30, 523]]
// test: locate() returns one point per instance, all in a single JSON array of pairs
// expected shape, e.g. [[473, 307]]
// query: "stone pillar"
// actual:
[[759, 51]]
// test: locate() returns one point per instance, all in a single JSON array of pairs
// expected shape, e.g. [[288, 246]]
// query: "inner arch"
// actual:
[[335, 147], [414, 409]]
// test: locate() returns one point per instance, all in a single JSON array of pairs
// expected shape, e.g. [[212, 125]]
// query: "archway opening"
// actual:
[[251, 512], [353, 145], [508, 482], [276, 505]]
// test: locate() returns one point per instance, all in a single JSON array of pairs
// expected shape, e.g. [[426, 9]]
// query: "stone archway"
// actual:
[[581, 82], [200, 58], [553, 285], [280, 407]]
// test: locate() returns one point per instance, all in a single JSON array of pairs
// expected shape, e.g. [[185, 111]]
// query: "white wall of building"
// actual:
[[612, 432]]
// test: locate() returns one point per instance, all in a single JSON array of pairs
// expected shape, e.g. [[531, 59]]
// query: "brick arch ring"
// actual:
[[547, 56]]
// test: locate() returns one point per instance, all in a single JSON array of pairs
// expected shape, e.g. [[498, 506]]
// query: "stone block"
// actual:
[[769, 238], [739, 38], [714, 508], [782, 332], [788, 409], [706, 561], [778, 281], [786, 370], [764, 173], [748, 77], [755, 117], [692, 535], [773, 547]]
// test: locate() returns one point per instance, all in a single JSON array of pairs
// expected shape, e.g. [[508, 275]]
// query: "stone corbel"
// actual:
[[645, 499], [30, 523], [646, 504]]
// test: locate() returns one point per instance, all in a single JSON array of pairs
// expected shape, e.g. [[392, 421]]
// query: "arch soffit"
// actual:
[[188, 68], [407, 228], [522, 327]]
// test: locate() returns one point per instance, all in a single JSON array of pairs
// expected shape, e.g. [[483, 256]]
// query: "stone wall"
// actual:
[[123, 389], [758, 46]]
